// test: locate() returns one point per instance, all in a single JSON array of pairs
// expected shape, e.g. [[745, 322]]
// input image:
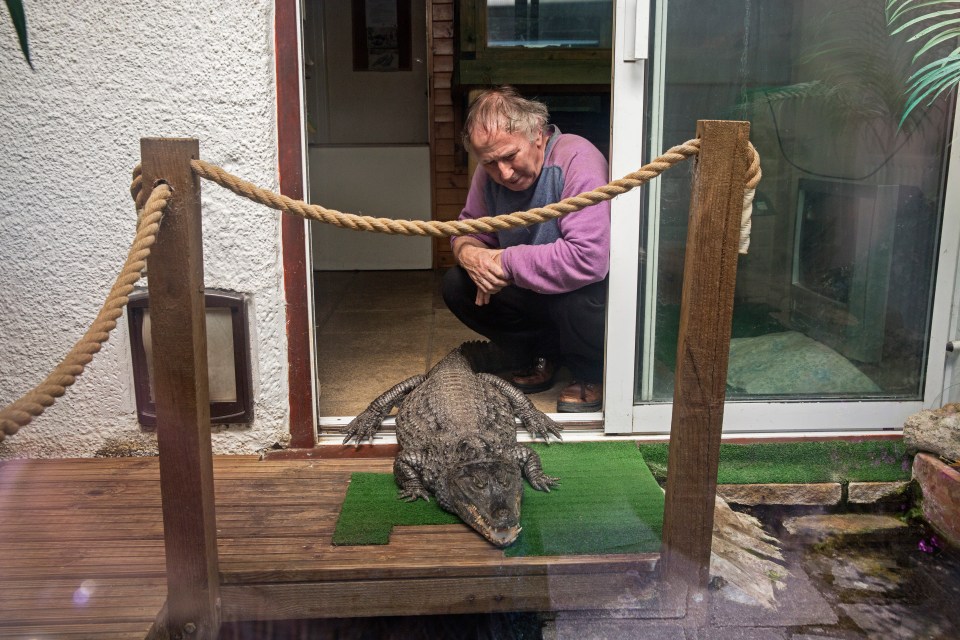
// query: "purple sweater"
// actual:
[[559, 255]]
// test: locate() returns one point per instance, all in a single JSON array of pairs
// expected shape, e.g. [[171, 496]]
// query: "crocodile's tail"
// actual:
[[486, 357]]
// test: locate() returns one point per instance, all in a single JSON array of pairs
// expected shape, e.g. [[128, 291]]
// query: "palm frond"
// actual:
[[934, 24], [923, 18], [931, 81], [19, 17], [896, 8]]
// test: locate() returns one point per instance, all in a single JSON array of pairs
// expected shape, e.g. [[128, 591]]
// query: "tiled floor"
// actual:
[[378, 328]]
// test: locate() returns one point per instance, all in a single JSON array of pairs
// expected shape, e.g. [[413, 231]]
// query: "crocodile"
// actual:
[[458, 442]]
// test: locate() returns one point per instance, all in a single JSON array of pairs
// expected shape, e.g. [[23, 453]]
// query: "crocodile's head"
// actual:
[[486, 495]]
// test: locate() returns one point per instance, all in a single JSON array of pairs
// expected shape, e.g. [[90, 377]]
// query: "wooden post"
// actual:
[[180, 388], [703, 349]]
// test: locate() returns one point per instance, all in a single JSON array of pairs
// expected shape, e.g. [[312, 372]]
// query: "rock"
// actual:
[[935, 431], [878, 492], [940, 485], [744, 555], [827, 493], [821, 527]]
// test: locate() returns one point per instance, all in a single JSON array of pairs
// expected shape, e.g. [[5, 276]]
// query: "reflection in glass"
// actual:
[[549, 23], [834, 298]]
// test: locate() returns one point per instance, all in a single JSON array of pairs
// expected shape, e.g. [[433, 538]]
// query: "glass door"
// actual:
[[842, 303]]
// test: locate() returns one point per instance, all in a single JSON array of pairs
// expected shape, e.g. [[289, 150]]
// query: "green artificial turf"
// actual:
[[800, 462], [607, 502]]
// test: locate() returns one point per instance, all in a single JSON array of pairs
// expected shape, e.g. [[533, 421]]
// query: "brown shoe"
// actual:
[[581, 397], [537, 378]]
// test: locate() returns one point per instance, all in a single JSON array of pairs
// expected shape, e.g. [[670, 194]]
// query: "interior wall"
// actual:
[[369, 150], [386, 182], [345, 106]]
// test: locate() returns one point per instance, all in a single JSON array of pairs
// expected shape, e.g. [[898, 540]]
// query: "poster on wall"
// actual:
[[381, 35]]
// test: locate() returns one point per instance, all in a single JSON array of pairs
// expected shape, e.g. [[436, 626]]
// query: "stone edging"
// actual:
[[816, 494]]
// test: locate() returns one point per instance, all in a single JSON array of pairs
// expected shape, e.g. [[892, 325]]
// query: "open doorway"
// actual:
[[382, 125]]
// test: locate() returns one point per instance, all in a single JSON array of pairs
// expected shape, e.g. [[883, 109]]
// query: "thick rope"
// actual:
[[438, 228], [487, 224], [21, 412]]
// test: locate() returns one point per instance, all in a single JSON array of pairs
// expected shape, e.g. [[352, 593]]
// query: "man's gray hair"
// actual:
[[504, 109]]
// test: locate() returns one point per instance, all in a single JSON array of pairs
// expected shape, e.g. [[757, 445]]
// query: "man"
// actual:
[[537, 292]]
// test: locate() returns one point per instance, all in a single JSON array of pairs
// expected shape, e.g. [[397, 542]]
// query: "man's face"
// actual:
[[510, 159]]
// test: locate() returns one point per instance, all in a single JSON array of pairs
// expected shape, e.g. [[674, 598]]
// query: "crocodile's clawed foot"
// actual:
[[413, 494], [363, 427], [543, 482], [540, 425]]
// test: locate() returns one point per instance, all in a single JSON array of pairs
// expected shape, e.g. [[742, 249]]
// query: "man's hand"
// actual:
[[483, 265]]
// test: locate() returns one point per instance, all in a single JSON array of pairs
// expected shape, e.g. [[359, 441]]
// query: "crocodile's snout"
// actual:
[[486, 495]]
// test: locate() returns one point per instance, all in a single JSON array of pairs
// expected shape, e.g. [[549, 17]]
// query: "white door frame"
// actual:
[[628, 139]]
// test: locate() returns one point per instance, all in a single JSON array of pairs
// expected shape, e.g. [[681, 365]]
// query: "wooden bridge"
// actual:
[[172, 546]]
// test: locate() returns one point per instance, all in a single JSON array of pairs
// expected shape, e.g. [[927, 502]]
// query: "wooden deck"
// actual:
[[83, 553]]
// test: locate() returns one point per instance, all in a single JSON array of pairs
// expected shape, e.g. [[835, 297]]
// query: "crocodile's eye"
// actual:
[[479, 482]]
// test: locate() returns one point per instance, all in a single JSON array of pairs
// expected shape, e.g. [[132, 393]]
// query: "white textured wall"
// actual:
[[107, 74]]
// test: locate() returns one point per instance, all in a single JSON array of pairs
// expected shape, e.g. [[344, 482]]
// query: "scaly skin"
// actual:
[[457, 434]]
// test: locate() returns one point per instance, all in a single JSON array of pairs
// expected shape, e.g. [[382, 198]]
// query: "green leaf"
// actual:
[[924, 17], [908, 5], [943, 37], [945, 25], [930, 81], [936, 25], [15, 7]]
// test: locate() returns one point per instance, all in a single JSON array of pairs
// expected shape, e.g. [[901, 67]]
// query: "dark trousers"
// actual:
[[567, 327]]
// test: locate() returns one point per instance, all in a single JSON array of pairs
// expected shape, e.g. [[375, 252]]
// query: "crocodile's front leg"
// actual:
[[407, 470], [530, 465], [365, 425], [536, 422]]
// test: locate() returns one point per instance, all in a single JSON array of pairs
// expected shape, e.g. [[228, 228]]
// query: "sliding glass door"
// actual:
[[843, 300]]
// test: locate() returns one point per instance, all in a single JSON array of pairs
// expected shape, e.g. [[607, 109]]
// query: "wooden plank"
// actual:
[[89, 599], [443, 46], [434, 596], [79, 631], [456, 180], [703, 347], [443, 114], [442, 29], [178, 333], [442, 80], [444, 132], [451, 196], [443, 63]]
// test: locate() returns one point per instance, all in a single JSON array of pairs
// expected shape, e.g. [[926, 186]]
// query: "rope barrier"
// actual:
[[21, 412], [438, 228]]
